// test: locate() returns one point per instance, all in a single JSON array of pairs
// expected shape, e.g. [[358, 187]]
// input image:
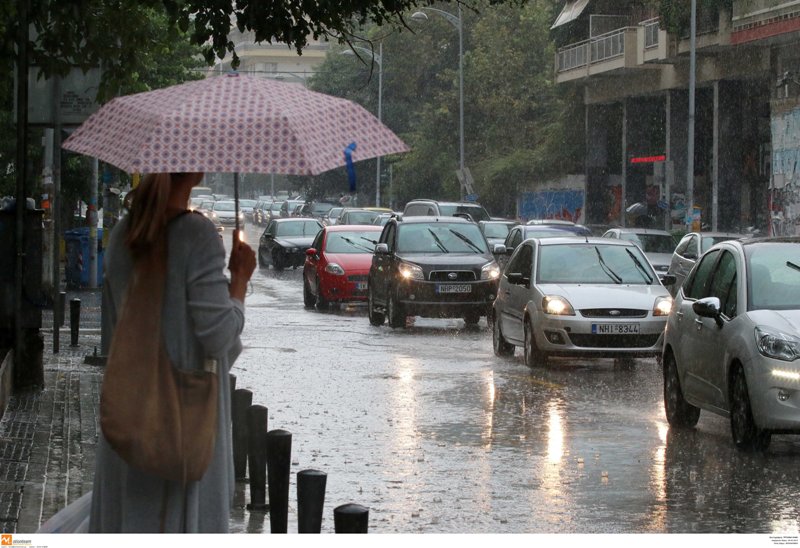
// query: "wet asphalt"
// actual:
[[434, 434]]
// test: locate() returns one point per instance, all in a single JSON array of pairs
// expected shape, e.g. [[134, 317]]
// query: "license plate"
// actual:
[[615, 328], [453, 288], [361, 286]]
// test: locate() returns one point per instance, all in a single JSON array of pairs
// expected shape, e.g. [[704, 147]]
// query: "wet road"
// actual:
[[432, 432]]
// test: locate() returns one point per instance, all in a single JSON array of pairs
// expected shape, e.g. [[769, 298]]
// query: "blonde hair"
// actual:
[[148, 217]]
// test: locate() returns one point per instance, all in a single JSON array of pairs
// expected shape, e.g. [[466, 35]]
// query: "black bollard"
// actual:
[[242, 400], [257, 419], [232, 382], [350, 518], [74, 320], [279, 456], [310, 500], [60, 307]]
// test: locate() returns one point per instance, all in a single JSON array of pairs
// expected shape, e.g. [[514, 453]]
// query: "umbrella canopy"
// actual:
[[232, 123]]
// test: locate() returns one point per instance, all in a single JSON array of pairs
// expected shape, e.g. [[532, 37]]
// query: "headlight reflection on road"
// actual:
[[489, 419], [658, 478]]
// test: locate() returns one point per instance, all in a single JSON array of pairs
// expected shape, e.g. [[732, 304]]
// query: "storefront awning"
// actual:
[[571, 11]]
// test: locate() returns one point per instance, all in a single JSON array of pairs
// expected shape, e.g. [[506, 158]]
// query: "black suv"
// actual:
[[434, 267]]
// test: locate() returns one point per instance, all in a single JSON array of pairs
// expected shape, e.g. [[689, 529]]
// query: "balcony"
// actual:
[[607, 52]]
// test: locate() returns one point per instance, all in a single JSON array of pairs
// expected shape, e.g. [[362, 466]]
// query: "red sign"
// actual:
[[648, 159]]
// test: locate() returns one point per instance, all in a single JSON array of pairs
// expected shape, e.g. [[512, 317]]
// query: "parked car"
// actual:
[[522, 232], [337, 264], [332, 217], [434, 208], [284, 242], [690, 248], [732, 344], [566, 297], [433, 267], [658, 245], [496, 232], [225, 210], [357, 216]]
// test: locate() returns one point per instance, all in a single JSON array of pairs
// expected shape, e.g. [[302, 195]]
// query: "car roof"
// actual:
[[498, 222], [556, 229], [653, 231], [772, 239], [443, 219], [428, 201], [592, 240], [292, 219], [716, 234], [554, 222], [350, 228]]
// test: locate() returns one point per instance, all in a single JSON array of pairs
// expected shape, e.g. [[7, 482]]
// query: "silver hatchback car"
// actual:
[[732, 344], [592, 297]]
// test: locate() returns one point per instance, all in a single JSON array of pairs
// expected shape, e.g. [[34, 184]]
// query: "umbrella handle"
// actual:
[[236, 201]]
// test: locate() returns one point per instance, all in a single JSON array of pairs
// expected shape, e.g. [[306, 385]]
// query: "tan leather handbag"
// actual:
[[158, 418]]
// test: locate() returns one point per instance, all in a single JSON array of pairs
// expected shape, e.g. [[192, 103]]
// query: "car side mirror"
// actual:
[[668, 279], [382, 249], [709, 307], [311, 252], [499, 249], [517, 278]]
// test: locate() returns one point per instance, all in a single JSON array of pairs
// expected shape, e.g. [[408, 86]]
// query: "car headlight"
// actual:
[[490, 271], [777, 344], [558, 306], [333, 268], [663, 306], [410, 271]]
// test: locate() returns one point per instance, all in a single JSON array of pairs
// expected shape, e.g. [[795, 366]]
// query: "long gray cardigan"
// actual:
[[199, 320]]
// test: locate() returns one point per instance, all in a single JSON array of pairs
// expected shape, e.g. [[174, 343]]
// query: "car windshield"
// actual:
[[709, 241], [440, 238], [320, 208], [774, 275], [335, 212], [276, 206], [297, 228], [360, 217], [593, 264], [224, 206], [496, 230], [651, 243], [247, 203], [476, 212], [351, 241]]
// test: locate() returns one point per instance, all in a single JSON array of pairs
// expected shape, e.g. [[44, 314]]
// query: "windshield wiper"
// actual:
[[611, 274], [640, 267], [356, 245], [373, 242], [438, 241], [466, 240], [790, 264]]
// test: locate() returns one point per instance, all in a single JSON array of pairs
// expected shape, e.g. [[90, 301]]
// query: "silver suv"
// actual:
[[432, 208]]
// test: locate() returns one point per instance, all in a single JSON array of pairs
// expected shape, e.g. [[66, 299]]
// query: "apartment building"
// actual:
[[632, 65]]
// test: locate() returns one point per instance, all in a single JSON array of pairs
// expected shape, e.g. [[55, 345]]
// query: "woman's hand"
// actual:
[[242, 263]]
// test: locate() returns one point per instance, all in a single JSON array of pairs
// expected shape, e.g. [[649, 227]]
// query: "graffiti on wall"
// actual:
[[567, 205], [784, 203]]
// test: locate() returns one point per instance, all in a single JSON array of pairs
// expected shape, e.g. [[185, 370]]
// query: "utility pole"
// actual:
[[690, 141], [91, 214]]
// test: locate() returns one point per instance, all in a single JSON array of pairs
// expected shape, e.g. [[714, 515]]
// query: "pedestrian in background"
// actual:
[[203, 316]]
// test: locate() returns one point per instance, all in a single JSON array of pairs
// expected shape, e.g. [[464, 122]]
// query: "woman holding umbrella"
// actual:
[[203, 315]]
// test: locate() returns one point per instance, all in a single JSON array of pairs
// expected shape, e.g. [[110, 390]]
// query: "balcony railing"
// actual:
[[595, 50], [651, 28]]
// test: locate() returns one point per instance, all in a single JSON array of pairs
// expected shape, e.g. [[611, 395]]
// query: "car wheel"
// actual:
[[680, 413], [375, 318], [395, 312], [277, 261], [322, 303], [308, 298], [533, 356], [501, 347], [472, 318], [746, 434]]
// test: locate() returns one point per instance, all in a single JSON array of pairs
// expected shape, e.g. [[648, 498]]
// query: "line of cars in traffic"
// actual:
[[729, 335]]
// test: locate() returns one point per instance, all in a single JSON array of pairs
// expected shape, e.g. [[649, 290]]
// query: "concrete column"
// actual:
[[715, 161]]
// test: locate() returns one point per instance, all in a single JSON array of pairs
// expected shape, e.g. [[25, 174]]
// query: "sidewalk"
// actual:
[[48, 437]]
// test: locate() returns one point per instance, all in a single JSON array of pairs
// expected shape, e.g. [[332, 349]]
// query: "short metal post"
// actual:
[[310, 500], [279, 456], [232, 383], [350, 518], [74, 320], [257, 419], [61, 307], [242, 400]]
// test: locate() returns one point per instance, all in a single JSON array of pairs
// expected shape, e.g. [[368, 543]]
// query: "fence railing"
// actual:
[[651, 28], [600, 48]]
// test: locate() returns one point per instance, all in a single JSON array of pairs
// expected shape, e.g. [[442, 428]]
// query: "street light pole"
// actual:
[[378, 59], [690, 138], [457, 22]]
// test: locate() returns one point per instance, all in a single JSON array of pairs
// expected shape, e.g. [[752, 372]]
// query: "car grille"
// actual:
[[613, 341], [444, 276], [613, 313], [357, 278]]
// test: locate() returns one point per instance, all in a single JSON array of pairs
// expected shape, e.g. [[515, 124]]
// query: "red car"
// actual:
[[337, 264]]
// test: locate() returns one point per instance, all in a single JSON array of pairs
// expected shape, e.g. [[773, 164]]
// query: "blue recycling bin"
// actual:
[[77, 249]]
